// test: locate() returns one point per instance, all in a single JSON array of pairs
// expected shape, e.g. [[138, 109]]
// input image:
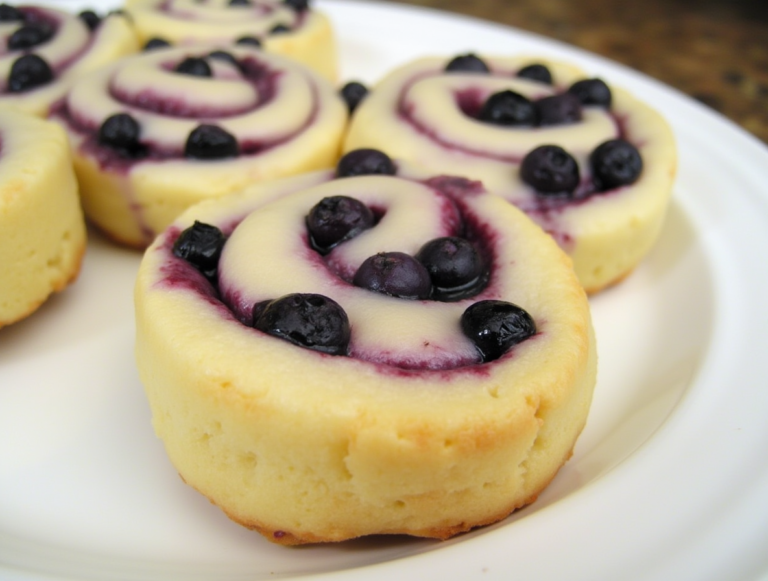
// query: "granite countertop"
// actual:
[[716, 51]]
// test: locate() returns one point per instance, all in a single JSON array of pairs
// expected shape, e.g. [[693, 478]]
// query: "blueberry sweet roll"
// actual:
[[159, 131], [290, 27], [359, 352], [593, 165]]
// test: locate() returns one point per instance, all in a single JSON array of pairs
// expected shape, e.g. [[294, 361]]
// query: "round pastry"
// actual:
[[42, 232], [46, 50], [338, 355], [485, 118], [156, 132], [290, 27]]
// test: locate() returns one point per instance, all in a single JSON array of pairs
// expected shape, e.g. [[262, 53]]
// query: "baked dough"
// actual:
[[42, 232], [285, 119], [309, 38], [420, 114], [410, 433]]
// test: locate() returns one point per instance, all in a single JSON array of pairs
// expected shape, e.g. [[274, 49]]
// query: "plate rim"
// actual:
[[474, 556]]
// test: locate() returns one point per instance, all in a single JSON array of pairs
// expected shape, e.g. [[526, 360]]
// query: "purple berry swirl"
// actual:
[[161, 130]]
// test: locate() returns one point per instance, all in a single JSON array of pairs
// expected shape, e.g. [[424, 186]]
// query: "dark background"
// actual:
[[716, 51]]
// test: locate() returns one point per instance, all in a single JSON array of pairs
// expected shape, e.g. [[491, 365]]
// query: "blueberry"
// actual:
[[280, 29], [352, 93], [550, 170], [90, 18], [467, 63], [27, 72], [536, 72], [592, 92], [194, 66], [121, 132], [201, 246], [11, 14], [210, 142], [360, 162], [336, 219], [496, 326], [156, 42], [307, 320], [509, 109], [455, 268], [395, 274], [28, 36], [558, 109], [615, 163], [248, 41], [297, 5], [223, 55]]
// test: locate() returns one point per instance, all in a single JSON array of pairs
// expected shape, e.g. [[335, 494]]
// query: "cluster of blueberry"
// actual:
[[31, 70], [552, 171], [444, 269], [549, 169]]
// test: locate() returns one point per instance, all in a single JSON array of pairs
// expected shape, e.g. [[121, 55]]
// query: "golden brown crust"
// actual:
[[287, 538], [43, 233], [593, 290], [57, 287]]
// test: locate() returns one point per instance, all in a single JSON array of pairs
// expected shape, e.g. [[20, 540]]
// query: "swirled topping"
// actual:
[[220, 20], [499, 114], [411, 288], [195, 103], [39, 45], [489, 118], [291, 28]]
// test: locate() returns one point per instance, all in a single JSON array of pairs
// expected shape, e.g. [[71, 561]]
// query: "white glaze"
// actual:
[[267, 257]]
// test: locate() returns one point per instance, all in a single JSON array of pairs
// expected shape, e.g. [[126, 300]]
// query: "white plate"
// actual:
[[669, 479]]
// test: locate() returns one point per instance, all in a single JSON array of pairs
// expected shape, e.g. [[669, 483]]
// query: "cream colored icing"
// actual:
[[266, 257], [226, 99]]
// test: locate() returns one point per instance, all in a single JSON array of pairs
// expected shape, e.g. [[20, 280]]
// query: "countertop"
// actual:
[[716, 51]]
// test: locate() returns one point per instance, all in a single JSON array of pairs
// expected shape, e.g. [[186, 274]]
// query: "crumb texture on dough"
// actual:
[[42, 231]]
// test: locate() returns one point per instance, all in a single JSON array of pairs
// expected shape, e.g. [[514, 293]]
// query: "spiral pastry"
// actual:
[[289, 27], [42, 232], [44, 50], [157, 132], [590, 163], [342, 354]]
